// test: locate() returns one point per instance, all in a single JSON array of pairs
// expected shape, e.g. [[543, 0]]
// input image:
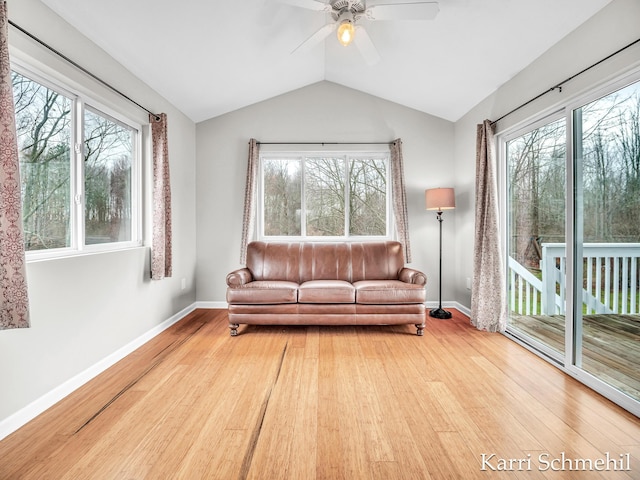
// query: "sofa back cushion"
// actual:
[[304, 261]]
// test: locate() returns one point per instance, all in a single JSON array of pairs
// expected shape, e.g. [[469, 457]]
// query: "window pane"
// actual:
[[610, 151], [282, 197], [607, 319], [324, 196], [368, 197], [536, 234], [43, 122], [108, 158]]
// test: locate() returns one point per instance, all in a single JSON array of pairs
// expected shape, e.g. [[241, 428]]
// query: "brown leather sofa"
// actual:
[[314, 283]]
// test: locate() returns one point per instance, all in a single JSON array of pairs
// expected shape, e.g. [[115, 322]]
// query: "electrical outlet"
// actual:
[[468, 283], [184, 283]]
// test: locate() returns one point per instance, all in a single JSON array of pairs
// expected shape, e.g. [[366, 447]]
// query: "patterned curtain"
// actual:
[[488, 306], [14, 310], [249, 216], [161, 259], [399, 195]]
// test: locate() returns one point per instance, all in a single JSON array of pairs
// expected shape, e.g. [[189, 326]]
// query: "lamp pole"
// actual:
[[439, 312]]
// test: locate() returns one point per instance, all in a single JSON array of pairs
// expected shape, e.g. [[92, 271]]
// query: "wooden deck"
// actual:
[[611, 345]]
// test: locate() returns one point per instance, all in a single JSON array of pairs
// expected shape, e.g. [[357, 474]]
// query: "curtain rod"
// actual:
[[558, 86], [81, 68], [325, 143]]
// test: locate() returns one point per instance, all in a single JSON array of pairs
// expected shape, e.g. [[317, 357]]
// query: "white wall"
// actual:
[[616, 26], [320, 112], [84, 309]]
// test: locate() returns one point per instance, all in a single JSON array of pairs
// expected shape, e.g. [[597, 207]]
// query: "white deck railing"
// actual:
[[611, 275], [524, 289]]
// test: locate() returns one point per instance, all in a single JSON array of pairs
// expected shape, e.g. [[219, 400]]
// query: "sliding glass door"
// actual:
[[572, 203]]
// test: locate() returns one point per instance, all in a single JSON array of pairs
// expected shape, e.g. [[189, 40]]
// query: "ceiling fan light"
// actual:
[[346, 31]]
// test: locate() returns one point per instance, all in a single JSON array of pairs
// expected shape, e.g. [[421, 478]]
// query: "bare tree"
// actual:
[[368, 197], [536, 190], [333, 187], [43, 119], [107, 173], [607, 151], [325, 196], [282, 197]]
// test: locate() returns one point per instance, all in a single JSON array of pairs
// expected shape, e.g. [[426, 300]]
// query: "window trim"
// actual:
[[81, 102], [347, 155]]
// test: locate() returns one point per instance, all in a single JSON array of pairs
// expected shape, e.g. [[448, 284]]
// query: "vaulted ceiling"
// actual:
[[210, 57]]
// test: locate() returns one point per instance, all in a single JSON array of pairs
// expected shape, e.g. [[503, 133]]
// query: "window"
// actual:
[[326, 195], [78, 169]]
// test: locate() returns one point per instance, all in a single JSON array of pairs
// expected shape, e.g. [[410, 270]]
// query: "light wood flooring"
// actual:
[[324, 403]]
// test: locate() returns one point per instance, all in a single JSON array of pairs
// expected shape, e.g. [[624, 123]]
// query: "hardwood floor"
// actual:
[[327, 403]]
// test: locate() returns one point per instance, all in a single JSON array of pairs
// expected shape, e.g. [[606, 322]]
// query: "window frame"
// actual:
[[82, 102], [347, 156]]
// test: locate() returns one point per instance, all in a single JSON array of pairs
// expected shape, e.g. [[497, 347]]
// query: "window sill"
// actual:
[[44, 255]]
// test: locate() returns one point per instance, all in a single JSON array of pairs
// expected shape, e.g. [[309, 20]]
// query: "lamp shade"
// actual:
[[440, 199], [346, 32]]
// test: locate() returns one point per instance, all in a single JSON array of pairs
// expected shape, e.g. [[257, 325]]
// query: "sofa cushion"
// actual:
[[326, 291], [327, 308], [388, 292], [264, 292]]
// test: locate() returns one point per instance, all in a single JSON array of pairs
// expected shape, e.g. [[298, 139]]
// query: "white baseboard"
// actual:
[[212, 305], [456, 305], [35, 408], [462, 308]]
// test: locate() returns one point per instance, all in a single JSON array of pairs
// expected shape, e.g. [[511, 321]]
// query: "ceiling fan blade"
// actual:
[[316, 38], [403, 11], [365, 46], [316, 5]]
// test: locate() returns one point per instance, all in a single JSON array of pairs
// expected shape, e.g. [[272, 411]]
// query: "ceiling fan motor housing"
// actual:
[[341, 8]]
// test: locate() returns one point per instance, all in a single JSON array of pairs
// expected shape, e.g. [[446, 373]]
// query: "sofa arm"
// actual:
[[411, 275], [239, 277]]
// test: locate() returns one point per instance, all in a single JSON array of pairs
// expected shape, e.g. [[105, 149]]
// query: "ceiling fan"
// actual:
[[346, 14]]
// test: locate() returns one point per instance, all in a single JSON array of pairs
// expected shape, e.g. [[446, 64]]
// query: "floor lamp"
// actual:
[[440, 199]]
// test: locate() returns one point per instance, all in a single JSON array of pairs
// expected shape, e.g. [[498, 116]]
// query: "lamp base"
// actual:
[[440, 313]]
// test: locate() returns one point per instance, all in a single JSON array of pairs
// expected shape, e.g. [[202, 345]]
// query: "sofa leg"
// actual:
[[234, 329], [420, 331]]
